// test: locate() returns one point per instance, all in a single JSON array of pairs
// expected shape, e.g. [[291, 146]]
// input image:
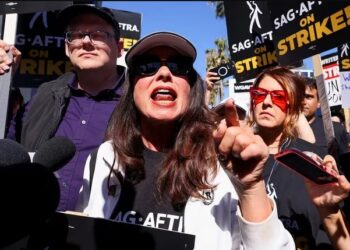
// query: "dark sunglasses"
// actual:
[[178, 66], [278, 97]]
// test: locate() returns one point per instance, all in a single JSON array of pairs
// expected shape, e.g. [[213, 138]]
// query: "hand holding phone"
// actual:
[[306, 165], [223, 71]]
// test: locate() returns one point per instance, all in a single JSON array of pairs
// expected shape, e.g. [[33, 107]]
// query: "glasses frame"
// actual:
[[84, 34], [274, 94]]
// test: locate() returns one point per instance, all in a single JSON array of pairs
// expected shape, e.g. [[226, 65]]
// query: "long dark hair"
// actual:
[[294, 86], [192, 158]]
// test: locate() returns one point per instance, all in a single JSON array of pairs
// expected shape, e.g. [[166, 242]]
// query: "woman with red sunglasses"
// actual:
[[276, 104]]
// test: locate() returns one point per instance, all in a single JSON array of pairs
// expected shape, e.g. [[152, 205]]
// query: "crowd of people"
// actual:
[[149, 146]]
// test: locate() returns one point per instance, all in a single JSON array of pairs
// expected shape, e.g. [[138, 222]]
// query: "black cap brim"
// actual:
[[169, 39]]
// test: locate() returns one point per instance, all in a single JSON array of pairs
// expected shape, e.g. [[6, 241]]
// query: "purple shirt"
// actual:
[[85, 123]]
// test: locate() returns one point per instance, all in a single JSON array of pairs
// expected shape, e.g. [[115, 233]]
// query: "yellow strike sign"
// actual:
[[345, 64], [315, 30], [44, 67], [255, 62], [128, 42], [39, 63]]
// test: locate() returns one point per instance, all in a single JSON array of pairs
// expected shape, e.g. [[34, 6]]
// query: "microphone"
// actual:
[[55, 153], [12, 153], [29, 192], [29, 195]]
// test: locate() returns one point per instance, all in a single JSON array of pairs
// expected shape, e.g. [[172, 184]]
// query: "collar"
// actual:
[[106, 94]]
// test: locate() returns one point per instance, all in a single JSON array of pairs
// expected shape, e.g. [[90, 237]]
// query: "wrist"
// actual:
[[252, 190], [327, 213], [253, 197]]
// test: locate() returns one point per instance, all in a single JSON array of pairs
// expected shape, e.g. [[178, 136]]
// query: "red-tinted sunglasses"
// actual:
[[278, 97]]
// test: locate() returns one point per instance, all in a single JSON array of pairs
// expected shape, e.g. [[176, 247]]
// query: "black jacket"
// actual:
[[47, 109], [45, 112]]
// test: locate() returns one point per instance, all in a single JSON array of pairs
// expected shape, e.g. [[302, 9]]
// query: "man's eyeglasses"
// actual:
[[96, 37], [278, 97], [178, 66]]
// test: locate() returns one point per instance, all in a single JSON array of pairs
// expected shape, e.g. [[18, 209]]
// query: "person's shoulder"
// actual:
[[106, 149], [307, 146], [338, 127], [318, 120], [106, 146], [316, 123], [106, 155], [58, 82]]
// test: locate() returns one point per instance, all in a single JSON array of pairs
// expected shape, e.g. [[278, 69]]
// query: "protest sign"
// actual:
[[302, 29], [345, 88], [344, 70], [344, 57], [250, 37], [331, 79]]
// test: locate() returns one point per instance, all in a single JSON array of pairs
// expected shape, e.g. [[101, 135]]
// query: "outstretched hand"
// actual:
[[9, 56], [327, 197]]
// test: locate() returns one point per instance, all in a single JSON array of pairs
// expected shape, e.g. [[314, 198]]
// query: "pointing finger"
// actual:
[[231, 114]]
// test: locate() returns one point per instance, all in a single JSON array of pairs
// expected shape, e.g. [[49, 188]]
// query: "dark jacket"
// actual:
[[340, 145], [46, 110]]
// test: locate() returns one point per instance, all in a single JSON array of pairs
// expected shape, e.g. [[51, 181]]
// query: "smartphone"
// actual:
[[306, 166]]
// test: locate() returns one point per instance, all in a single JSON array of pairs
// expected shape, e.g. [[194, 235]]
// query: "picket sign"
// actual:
[[321, 90]]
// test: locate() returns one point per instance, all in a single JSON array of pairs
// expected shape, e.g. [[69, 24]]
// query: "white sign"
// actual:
[[345, 88], [242, 98], [332, 80]]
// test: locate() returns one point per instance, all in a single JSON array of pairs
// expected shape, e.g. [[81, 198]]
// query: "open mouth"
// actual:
[[162, 94]]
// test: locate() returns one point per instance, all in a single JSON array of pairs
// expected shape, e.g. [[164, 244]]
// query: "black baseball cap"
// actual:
[[67, 14], [179, 43]]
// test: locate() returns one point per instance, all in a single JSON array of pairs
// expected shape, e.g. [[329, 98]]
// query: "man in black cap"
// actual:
[[78, 104]]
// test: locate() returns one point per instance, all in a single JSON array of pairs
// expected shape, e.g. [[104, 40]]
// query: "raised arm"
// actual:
[[211, 78], [327, 198], [304, 130], [247, 154]]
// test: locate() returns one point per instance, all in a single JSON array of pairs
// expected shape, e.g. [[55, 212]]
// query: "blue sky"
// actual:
[[193, 19]]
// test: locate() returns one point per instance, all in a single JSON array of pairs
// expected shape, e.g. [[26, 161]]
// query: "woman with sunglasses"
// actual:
[[159, 167], [276, 104]]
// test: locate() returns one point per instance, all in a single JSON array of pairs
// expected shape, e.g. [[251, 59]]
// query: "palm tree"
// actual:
[[219, 8], [218, 56]]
